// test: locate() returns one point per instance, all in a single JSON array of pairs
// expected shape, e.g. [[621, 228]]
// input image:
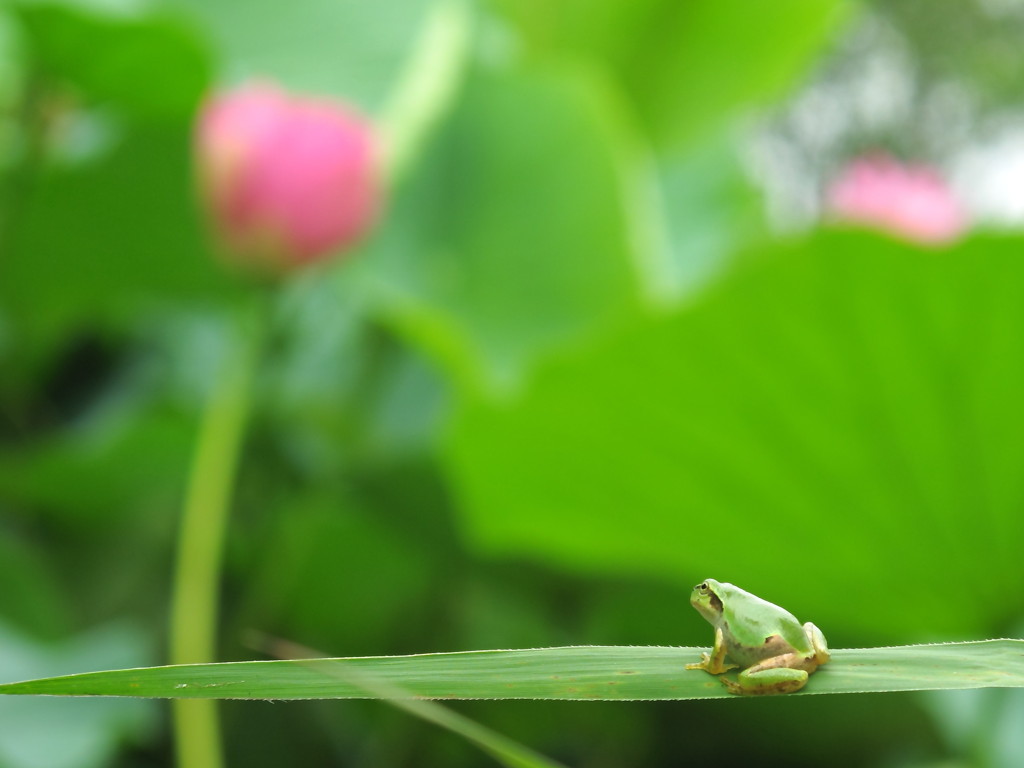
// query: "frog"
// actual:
[[772, 650]]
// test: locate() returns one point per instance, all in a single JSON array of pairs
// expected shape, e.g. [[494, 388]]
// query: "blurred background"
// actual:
[[665, 291]]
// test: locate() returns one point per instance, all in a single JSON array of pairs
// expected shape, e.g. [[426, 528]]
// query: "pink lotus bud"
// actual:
[[910, 201], [287, 180]]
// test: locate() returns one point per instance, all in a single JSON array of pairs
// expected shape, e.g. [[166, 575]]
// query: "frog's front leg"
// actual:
[[715, 663], [780, 674]]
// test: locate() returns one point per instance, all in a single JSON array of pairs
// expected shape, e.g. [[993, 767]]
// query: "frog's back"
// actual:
[[755, 629]]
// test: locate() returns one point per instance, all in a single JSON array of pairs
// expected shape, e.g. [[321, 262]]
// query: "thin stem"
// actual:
[[195, 603], [427, 86]]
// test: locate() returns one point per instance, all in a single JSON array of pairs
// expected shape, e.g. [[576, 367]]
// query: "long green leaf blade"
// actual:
[[574, 673]]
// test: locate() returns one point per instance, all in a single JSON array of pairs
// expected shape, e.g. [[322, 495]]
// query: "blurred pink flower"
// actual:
[[910, 201], [287, 180]]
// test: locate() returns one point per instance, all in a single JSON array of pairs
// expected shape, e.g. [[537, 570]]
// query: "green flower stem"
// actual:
[[426, 87], [194, 607]]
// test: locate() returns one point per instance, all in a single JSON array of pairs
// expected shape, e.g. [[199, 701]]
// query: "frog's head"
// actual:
[[706, 598]]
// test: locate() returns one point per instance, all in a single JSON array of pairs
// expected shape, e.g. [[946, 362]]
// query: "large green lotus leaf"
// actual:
[[513, 236], [708, 211], [838, 425], [154, 64], [688, 66]]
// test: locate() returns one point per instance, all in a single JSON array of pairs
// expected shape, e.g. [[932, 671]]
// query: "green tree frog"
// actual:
[[774, 653]]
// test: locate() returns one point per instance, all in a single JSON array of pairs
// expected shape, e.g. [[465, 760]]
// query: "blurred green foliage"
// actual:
[[151, 66], [840, 396], [456, 283], [572, 374]]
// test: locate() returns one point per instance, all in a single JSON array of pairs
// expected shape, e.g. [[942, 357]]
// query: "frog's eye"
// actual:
[[703, 587]]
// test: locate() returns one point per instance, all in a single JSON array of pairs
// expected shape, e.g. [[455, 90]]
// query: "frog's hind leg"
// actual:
[[768, 677], [818, 644]]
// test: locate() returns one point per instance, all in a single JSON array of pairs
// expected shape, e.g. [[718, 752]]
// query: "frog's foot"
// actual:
[[704, 663], [732, 686], [712, 664]]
